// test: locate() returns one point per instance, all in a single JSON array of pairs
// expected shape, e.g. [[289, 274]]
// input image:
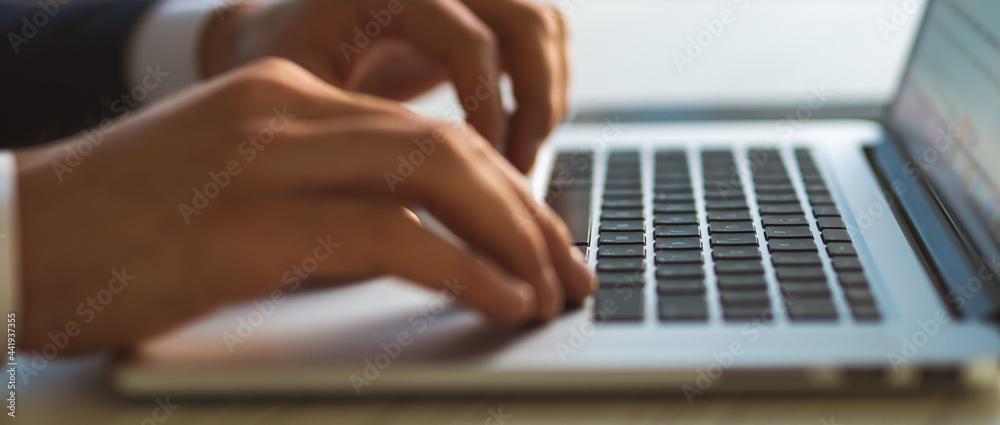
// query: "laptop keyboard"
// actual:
[[710, 252]]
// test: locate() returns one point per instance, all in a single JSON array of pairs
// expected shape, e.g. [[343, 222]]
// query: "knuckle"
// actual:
[[264, 82], [483, 40], [541, 19]]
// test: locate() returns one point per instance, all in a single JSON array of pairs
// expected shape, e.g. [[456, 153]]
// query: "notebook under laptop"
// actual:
[[789, 255]]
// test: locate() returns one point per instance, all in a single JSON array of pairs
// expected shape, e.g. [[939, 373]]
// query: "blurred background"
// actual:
[[680, 59]]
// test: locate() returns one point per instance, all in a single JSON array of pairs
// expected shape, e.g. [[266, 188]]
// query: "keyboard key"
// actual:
[[620, 264], [724, 192], [742, 313], [818, 189], [825, 211], [836, 235], [621, 214], [680, 286], [859, 296], [853, 280], [620, 204], [812, 309], [774, 188], [734, 239], [729, 216], [799, 290], [745, 298], [865, 312], [676, 230], [830, 223], [784, 220], [620, 279], [735, 252], [683, 308], [621, 251], [799, 274], [673, 197], [620, 304], [788, 232], [731, 227], [726, 205], [622, 194], [622, 238], [674, 208], [742, 282], [672, 188], [780, 209], [841, 248], [846, 264], [675, 219], [776, 198], [622, 225], [795, 259], [678, 243], [739, 267], [776, 245], [573, 206], [612, 183], [676, 271], [817, 199], [679, 256]]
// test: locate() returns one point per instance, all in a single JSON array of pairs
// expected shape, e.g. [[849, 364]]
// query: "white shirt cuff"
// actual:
[[10, 265], [163, 50]]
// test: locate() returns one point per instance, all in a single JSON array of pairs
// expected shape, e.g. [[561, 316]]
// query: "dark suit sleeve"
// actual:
[[62, 65]]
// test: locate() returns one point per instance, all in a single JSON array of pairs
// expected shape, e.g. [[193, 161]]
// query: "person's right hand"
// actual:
[[288, 166]]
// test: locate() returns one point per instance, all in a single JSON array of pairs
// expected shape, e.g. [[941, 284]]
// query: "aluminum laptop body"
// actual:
[[796, 254]]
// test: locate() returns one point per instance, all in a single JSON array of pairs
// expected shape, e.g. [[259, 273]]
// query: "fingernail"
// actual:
[[526, 300], [557, 302], [583, 269]]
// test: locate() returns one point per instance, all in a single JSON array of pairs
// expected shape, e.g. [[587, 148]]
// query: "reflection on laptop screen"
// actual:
[[948, 108]]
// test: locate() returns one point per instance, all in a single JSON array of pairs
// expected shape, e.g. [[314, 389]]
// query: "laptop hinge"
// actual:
[[965, 279]]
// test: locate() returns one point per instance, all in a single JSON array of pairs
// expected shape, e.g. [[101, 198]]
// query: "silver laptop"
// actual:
[[796, 254]]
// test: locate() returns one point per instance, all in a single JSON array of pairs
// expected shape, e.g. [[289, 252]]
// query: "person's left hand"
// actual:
[[401, 48]]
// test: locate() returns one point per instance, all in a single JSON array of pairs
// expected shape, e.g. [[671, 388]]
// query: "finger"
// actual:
[[267, 86], [534, 57], [449, 32], [424, 257], [574, 273], [344, 239], [412, 162]]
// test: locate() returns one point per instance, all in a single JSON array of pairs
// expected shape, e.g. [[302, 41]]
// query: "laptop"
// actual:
[[791, 255]]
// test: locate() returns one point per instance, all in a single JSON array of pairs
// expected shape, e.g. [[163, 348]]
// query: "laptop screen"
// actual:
[[948, 108]]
